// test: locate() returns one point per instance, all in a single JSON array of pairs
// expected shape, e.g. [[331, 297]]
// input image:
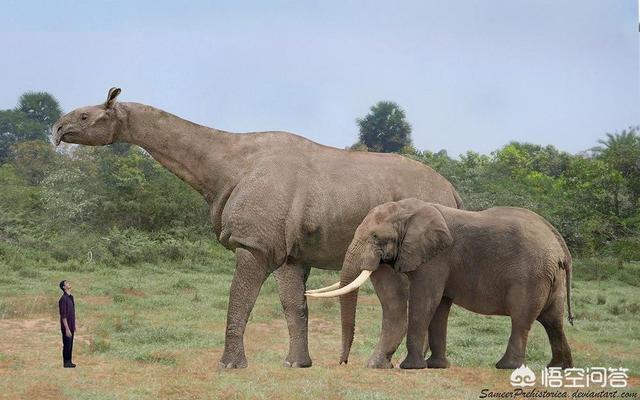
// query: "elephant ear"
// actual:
[[426, 234]]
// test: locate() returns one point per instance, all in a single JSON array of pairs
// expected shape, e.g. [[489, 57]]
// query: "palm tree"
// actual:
[[622, 151]]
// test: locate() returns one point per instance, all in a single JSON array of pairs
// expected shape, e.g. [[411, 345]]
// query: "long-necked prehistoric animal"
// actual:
[[281, 202]]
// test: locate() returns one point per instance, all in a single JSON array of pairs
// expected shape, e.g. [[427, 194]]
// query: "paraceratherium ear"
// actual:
[[111, 97]]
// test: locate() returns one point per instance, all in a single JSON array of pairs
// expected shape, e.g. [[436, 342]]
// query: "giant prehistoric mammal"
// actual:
[[281, 202]]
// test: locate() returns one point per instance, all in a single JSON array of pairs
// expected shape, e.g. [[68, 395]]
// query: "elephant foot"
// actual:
[[379, 361], [509, 363], [554, 364], [233, 365], [298, 362], [413, 362], [560, 364], [437, 362], [233, 362]]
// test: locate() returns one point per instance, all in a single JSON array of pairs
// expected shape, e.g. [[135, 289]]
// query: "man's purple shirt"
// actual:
[[68, 311]]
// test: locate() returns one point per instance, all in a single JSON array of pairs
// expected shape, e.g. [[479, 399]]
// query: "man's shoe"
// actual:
[[69, 364]]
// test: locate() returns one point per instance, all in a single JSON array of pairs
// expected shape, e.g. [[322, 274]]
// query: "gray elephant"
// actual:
[[501, 261]]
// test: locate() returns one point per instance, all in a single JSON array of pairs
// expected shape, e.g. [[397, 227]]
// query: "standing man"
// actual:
[[67, 322]]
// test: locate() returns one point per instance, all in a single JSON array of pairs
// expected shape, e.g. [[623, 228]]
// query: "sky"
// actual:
[[470, 74]]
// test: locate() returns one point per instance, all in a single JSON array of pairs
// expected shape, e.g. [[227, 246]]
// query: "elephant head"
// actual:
[[403, 234], [93, 125]]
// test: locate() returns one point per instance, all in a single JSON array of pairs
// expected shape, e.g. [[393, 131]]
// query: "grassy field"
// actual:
[[157, 331]]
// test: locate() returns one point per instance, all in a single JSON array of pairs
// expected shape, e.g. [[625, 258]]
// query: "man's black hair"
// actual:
[[62, 285]]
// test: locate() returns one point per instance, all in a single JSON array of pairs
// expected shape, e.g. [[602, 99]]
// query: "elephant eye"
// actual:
[[84, 116]]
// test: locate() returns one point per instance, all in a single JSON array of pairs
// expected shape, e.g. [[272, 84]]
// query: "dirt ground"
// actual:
[[31, 369]]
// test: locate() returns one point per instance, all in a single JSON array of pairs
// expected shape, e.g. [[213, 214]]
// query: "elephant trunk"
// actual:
[[348, 302]]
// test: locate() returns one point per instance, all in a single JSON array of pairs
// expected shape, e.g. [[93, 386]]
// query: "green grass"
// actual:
[[157, 331]]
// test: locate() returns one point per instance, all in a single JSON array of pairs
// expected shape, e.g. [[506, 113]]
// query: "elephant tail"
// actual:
[[566, 265], [456, 196]]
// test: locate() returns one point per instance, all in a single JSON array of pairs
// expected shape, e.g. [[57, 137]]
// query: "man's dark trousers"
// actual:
[[67, 347]]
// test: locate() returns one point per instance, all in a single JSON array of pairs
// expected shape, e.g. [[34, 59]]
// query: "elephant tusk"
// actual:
[[325, 289], [364, 275]]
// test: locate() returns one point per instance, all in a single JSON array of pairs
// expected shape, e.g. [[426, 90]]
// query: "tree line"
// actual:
[[115, 194]]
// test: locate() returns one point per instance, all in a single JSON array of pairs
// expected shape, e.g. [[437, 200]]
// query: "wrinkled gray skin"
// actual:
[[501, 261], [281, 202]]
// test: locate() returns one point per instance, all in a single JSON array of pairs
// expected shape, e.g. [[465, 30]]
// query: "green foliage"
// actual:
[[607, 268], [30, 120], [625, 248], [40, 107], [16, 127], [65, 196], [585, 196], [136, 191], [622, 152], [115, 205], [34, 160], [385, 129]]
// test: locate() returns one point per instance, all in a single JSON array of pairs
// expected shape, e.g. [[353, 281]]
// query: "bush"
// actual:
[[595, 269], [132, 246], [627, 249]]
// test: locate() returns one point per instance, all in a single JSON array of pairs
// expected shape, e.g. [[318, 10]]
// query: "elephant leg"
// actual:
[[514, 356], [251, 272], [552, 320], [291, 280], [425, 294], [392, 289], [523, 314], [438, 335]]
